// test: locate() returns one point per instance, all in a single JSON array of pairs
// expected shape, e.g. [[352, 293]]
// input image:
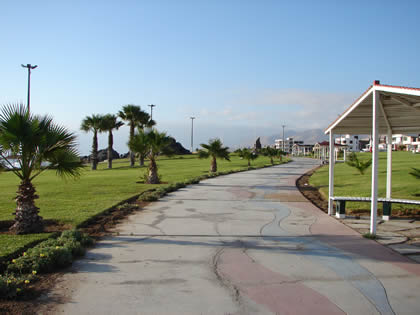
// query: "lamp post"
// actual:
[[151, 110], [283, 137], [29, 67], [192, 134]]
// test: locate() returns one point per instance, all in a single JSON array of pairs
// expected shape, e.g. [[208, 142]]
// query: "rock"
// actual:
[[176, 147], [103, 155]]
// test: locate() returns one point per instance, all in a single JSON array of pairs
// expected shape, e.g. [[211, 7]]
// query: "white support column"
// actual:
[[331, 175], [374, 189], [388, 171], [389, 165]]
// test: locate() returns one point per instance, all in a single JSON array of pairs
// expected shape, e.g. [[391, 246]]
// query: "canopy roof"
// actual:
[[399, 110]]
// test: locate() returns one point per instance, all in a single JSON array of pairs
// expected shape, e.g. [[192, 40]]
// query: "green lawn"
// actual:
[[348, 181], [74, 201]]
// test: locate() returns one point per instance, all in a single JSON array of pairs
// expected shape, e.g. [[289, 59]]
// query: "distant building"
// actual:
[[407, 143], [351, 141], [288, 144], [299, 149]]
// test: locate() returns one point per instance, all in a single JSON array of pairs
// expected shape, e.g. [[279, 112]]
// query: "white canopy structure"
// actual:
[[381, 109]]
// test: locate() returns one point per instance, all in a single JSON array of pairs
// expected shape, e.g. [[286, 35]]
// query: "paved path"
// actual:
[[247, 243]]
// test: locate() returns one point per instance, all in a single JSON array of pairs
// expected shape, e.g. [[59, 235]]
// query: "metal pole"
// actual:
[[151, 110], [283, 136], [29, 67], [192, 134]]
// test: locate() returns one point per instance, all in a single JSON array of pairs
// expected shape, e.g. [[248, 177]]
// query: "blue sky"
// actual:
[[242, 67]]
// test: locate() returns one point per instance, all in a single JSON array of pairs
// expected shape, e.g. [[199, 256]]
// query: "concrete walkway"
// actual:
[[246, 243]]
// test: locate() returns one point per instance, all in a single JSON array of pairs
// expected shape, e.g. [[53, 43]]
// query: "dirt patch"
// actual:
[[311, 193], [50, 226]]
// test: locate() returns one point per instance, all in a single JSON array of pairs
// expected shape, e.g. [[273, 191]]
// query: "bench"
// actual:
[[340, 205]]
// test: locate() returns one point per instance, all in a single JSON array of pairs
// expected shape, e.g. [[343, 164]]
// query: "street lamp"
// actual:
[[30, 67], [283, 137], [151, 110], [192, 134]]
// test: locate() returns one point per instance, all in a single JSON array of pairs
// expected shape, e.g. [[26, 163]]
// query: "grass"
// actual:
[[348, 181], [73, 202]]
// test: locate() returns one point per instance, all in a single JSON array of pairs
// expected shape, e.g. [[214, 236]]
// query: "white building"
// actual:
[[288, 144], [351, 141], [409, 143]]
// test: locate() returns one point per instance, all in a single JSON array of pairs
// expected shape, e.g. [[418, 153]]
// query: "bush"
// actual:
[[51, 254], [12, 286]]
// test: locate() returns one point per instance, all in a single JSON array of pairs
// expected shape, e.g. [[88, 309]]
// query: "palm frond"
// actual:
[[202, 154], [415, 172]]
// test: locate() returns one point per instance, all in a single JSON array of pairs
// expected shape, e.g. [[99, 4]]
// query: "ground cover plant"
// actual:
[[73, 202], [349, 182]]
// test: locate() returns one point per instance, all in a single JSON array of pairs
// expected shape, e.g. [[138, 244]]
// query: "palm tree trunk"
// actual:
[[153, 177], [141, 160], [95, 150], [132, 156], [27, 219], [249, 163], [271, 160], [213, 165], [110, 143]]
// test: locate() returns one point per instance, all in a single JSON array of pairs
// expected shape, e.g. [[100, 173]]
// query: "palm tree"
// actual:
[[361, 166], [247, 154], [279, 154], [270, 152], [214, 150], [92, 123], [108, 123], [139, 144], [144, 121], [415, 172], [134, 116], [37, 144], [155, 143]]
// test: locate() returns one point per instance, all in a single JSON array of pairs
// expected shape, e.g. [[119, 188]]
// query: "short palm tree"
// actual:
[[139, 145], [415, 172], [92, 123], [37, 144], [108, 123], [143, 122], [361, 166], [214, 149], [279, 154], [155, 142], [134, 116], [248, 155], [270, 152]]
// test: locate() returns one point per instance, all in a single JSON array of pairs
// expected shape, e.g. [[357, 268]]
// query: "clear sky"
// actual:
[[242, 68]]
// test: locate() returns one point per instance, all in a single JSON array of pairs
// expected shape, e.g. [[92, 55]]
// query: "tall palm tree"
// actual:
[[92, 123], [134, 116], [108, 123], [155, 143], [37, 144], [214, 150]]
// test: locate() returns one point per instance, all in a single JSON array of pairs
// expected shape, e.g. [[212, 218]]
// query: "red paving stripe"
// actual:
[[279, 293]]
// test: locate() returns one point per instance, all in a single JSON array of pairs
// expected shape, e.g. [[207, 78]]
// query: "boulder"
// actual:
[[103, 155]]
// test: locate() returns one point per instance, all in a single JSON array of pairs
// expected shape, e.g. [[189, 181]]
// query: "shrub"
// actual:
[[51, 254]]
